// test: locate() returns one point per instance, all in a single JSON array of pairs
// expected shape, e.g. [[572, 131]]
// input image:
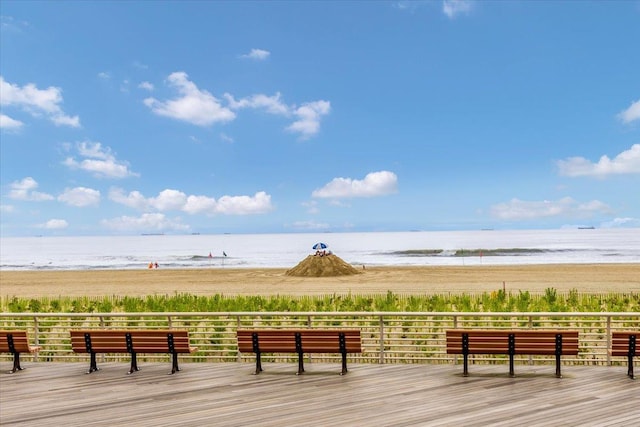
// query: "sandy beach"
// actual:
[[588, 278]]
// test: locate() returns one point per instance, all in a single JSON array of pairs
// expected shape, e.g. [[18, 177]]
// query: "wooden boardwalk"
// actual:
[[227, 394]]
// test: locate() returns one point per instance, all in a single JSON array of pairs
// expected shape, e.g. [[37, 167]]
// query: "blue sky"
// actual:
[[132, 117]]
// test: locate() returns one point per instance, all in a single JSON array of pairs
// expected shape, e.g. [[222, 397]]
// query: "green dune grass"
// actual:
[[497, 301]]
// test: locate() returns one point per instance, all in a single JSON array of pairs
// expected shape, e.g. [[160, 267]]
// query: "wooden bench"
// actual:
[[93, 341], [623, 343], [512, 342], [299, 341], [16, 342]]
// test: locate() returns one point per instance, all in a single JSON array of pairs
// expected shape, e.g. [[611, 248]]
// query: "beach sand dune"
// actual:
[[589, 278]]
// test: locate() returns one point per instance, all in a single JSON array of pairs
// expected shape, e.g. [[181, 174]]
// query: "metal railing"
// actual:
[[387, 337]]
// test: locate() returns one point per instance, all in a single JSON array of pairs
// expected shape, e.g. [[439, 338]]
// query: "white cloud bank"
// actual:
[[374, 184], [36, 102], [627, 162], [174, 200], [201, 108], [518, 210], [99, 161]]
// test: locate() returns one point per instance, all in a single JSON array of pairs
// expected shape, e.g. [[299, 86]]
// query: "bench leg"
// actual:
[[134, 364], [465, 366], [93, 366], [258, 364], [300, 364], [630, 368], [558, 372], [344, 364], [512, 372], [174, 365], [16, 363]]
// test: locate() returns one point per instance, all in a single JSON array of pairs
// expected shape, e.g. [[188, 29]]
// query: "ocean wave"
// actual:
[[472, 252]]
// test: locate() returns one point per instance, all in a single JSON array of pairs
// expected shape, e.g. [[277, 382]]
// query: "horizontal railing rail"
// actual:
[[387, 337]]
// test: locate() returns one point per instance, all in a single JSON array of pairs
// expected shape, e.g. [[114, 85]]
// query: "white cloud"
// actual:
[[257, 54], [37, 102], [627, 162], [516, 210], [226, 138], [55, 224], [373, 185], [194, 106], [8, 123], [168, 200], [80, 197], [134, 199], [25, 190], [453, 8], [309, 114], [99, 160], [200, 108], [146, 86], [631, 114], [272, 104], [104, 75], [156, 222], [244, 205], [199, 204]]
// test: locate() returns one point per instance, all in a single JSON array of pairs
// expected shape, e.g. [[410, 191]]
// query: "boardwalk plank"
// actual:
[[227, 394]]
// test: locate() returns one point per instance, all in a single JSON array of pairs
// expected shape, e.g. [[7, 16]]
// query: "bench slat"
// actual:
[[525, 342], [310, 341], [114, 341], [141, 341], [19, 344], [620, 343]]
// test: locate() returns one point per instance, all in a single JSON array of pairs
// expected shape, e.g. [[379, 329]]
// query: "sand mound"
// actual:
[[322, 266]]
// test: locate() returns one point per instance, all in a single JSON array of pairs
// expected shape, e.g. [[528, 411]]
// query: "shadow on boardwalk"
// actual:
[[227, 394]]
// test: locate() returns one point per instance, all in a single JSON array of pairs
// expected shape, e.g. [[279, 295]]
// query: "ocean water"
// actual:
[[486, 247]]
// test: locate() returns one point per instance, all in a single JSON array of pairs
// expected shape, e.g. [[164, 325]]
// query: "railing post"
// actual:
[[530, 327], [169, 322], [455, 326], [381, 332], [103, 356], [37, 337], [608, 340], [238, 358]]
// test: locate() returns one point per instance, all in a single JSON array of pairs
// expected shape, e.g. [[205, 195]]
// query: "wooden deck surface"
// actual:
[[227, 394]]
